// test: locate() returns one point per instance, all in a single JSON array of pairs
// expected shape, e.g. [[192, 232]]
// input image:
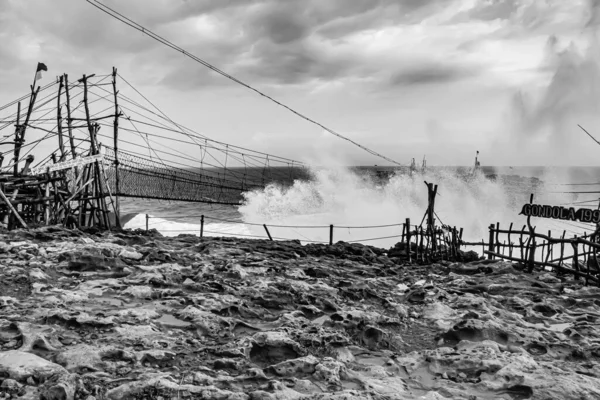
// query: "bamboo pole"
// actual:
[[61, 145], [69, 119], [17, 133], [408, 252], [47, 203], [116, 150], [575, 258], [83, 195], [23, 128]]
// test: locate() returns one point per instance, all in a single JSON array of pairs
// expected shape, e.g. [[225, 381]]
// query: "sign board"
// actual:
[[564, 213], [78, 162]]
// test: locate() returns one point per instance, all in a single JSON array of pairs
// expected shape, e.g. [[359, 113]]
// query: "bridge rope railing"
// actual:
[[415, 230]]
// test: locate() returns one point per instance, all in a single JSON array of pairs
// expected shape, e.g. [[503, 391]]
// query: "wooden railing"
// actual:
[[577, 256]]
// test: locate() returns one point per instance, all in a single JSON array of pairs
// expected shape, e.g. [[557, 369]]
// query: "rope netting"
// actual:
[[145, 178]]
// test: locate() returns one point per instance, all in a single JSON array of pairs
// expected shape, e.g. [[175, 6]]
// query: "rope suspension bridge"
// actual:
[[140, 151]]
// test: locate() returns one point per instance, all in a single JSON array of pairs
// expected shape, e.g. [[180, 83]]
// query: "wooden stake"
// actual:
[[575, 257], [532, 252], [408, 239], [268, 233], [491, 242]]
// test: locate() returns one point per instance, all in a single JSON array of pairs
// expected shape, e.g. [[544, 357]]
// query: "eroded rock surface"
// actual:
[[131, 315]]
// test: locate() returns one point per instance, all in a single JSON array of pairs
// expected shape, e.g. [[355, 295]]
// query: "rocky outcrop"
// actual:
[[91, 315]]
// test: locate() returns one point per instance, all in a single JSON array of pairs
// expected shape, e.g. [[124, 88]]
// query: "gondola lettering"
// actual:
[[558, 212]]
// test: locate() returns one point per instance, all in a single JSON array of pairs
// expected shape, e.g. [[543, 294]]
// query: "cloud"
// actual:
[[430, 72]]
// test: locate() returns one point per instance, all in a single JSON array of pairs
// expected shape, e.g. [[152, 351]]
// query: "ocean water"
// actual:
[[367, 208]]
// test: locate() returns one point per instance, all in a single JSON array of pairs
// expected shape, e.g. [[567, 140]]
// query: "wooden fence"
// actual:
[[577, 256], [431, 243]]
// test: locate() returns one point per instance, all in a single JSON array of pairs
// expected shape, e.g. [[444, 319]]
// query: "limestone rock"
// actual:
[[20, 365]]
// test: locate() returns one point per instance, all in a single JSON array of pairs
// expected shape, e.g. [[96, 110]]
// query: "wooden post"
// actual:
[[331, 234], [13, 210], [531, 254], [576, 257], [98, 195], [550, 246], [407, 223], [147, 218], [587, 263], [69, 119], [510, 249], [201, 226], [17, 135], [584, 252], [417, 249], [403, 231], [61, 145], [491, 242], [47, 202], [268, 233], [21, 136], [497, 239], [454, 251], [87, 114], [83, 195], [421, 252], [532, 251], [431, 193], [28, 162], [116, 150]]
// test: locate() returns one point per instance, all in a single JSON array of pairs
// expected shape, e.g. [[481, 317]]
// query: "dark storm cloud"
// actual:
[[295, 64], [429, 73], [262, 41], [282, 26]]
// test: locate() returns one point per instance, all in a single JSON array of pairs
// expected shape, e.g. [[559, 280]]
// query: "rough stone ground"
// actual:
[[139, 316]]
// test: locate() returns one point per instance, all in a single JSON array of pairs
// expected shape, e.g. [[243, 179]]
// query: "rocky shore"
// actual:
[[134, 315]]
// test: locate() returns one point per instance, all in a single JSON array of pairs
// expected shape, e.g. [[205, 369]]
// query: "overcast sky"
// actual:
[[511, 78]]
